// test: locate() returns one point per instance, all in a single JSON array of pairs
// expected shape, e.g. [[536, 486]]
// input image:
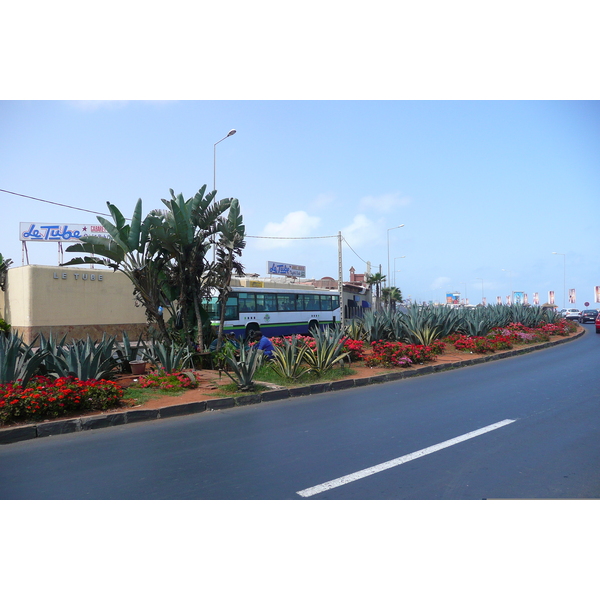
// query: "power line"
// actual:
[[351, 248], [55, 203], [263, 237], [266, 237]]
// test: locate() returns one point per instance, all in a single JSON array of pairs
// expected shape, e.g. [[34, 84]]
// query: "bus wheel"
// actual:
[[250, 329], [313, 325]]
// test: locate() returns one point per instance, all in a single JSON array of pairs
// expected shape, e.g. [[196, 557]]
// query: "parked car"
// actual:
[[588, 316], [572, 314], [598, 323]]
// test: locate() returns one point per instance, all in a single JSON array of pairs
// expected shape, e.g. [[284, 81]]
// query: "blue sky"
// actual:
[[486, 190]]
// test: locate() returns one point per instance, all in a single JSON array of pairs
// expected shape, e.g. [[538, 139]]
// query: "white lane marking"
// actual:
[[328, 485]]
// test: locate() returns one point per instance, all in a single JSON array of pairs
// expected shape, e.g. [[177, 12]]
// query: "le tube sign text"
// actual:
[[84, 276]]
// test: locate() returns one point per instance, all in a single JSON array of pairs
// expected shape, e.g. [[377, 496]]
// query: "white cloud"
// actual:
[[294, 225], [385, 203], [361, 233]]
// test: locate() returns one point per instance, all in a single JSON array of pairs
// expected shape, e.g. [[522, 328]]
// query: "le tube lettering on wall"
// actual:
[[84, 276]]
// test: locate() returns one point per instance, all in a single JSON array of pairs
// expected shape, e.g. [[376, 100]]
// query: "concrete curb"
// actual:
[[27, 432]]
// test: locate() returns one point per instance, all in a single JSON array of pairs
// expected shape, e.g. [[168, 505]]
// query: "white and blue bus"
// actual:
[[276, 311]]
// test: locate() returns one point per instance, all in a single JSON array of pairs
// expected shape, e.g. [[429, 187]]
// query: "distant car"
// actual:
[[598, 323], [588, 316], [572, 314]]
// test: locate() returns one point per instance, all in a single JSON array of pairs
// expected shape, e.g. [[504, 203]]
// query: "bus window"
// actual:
[[212, 308], [286, 302], [247, 302], [311, 301], [231, 309], [266, 303], [326, 302]]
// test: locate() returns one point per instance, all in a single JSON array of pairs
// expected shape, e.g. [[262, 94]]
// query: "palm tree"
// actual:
[[376, 279], [391, 295]]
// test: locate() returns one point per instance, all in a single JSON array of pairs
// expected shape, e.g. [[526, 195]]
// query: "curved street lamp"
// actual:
[[564, 277], [231, 132], [395, 259], [511, 290], [481, 289], [388, 250]]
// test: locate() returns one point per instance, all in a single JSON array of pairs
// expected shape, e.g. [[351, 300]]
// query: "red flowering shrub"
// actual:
[[302, 339], [503, 338], [170, 381], [355, 347], [44, 398], [397, 354]]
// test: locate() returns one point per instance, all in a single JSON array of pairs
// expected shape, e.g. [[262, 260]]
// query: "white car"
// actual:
[[572, 314]]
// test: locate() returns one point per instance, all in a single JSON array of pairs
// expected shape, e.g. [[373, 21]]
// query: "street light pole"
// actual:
[[395, 259], [481, 289], [231, 132], [564, 277], [511, 290], [388, 250]]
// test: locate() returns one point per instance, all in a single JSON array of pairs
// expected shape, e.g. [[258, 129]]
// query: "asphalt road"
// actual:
[[367, 441]]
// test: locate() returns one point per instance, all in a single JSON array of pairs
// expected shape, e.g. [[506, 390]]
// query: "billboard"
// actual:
[[277, 268], [452, 298], [57, 232], [519, 297], [572, 297]]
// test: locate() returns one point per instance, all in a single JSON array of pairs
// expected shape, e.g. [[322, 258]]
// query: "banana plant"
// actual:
[[132, 250], [185, 236]]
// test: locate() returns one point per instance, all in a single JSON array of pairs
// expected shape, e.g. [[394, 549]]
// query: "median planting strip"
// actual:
[[19, 433]]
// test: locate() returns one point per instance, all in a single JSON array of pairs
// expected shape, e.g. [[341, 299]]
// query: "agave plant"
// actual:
[[288, 360], [476, 322], [375, 325], [87, 359], [245, 367], [52, 349], [167, 359], [329, 350], [355, 330], [18, 361], [126, 352]]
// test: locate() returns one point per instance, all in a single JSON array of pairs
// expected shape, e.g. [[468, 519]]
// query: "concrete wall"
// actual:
[[72, 301]]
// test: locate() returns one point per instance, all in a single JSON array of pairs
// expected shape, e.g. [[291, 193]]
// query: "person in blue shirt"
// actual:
[[264, 344]]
